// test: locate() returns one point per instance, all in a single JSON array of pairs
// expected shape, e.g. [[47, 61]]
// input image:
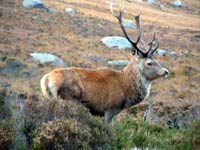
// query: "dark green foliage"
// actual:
[[191, 136], [13, 68], [62, 134], [5, 111], [129, 133], [58, 124], [6, 134], [6, 124], [10, 120]]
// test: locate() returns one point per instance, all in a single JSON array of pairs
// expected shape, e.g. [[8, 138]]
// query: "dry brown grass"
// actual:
[[23, 31]]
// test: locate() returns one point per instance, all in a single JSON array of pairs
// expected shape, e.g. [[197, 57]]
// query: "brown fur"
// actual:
[[103, 91]]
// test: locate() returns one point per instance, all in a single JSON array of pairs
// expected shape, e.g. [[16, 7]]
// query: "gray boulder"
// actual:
[[130, 1], [151, 2], [70, 11], [128, 24], [196, 38], [139, 1], [116, 41], [168, 52], [177, 3], [48, 58], [118, 64], [33, 4], [161, 52], [171, 52]]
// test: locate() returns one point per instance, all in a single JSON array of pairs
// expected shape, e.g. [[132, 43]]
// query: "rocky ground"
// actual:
[[76, 39]]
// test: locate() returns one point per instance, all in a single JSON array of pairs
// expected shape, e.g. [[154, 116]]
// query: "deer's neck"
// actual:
[[137, 87], [144, 85]]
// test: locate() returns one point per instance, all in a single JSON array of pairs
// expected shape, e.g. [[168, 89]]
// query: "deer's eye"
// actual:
[[149, 64]]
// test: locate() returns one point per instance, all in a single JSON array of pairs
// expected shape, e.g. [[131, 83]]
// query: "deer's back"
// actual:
[[98, 89]]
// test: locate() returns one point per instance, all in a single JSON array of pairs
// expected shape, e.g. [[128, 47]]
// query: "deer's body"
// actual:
[[105, 91]]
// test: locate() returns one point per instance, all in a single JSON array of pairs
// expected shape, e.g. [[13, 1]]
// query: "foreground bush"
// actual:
[[6, 135], [11, 121], [130, 133], [55, 124], [58, 124], [62, 134]]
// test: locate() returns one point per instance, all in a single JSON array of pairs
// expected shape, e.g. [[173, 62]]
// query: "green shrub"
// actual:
[[13, 68], [11, 121], [59, 124], [62, 134], [6, 134], [6, 126], [5, 111], [129, 133], [191, 137]]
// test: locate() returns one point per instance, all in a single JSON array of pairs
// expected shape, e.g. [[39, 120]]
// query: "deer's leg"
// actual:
[[109, 114], [53, 89]]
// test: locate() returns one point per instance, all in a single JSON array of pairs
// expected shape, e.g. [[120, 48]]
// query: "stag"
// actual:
[[104, 91]]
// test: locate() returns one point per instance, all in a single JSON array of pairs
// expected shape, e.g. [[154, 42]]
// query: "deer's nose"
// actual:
[[166, 72]]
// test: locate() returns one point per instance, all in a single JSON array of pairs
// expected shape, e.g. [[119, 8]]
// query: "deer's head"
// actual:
[[147, 66]]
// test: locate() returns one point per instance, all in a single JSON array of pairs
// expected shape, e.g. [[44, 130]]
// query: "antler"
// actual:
[[149, 46], [152, 51], [139, 32], [119, 17]]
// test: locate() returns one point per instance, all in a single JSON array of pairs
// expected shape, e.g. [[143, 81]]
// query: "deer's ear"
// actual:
[[136, 58], [138, 55]]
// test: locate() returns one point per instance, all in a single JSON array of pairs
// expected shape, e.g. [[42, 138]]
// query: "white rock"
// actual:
[[139, 1], [161, 52], [70, 11], [110, 2], [48, 58], [169, 52], [177, 3], [33, 4], [118, 63], [128, 24], [116, 41], [151, 2], [162, 7]]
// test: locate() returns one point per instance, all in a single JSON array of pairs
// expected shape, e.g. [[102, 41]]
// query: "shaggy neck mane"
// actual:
[[136, 86]]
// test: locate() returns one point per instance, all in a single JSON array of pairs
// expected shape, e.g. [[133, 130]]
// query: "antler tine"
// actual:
[[155, 48], [111, 8], [121, 25], [139, 33], [150, 51], [144, 43], [151, 44], [119, 18], [153, 39], [137, 19]]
